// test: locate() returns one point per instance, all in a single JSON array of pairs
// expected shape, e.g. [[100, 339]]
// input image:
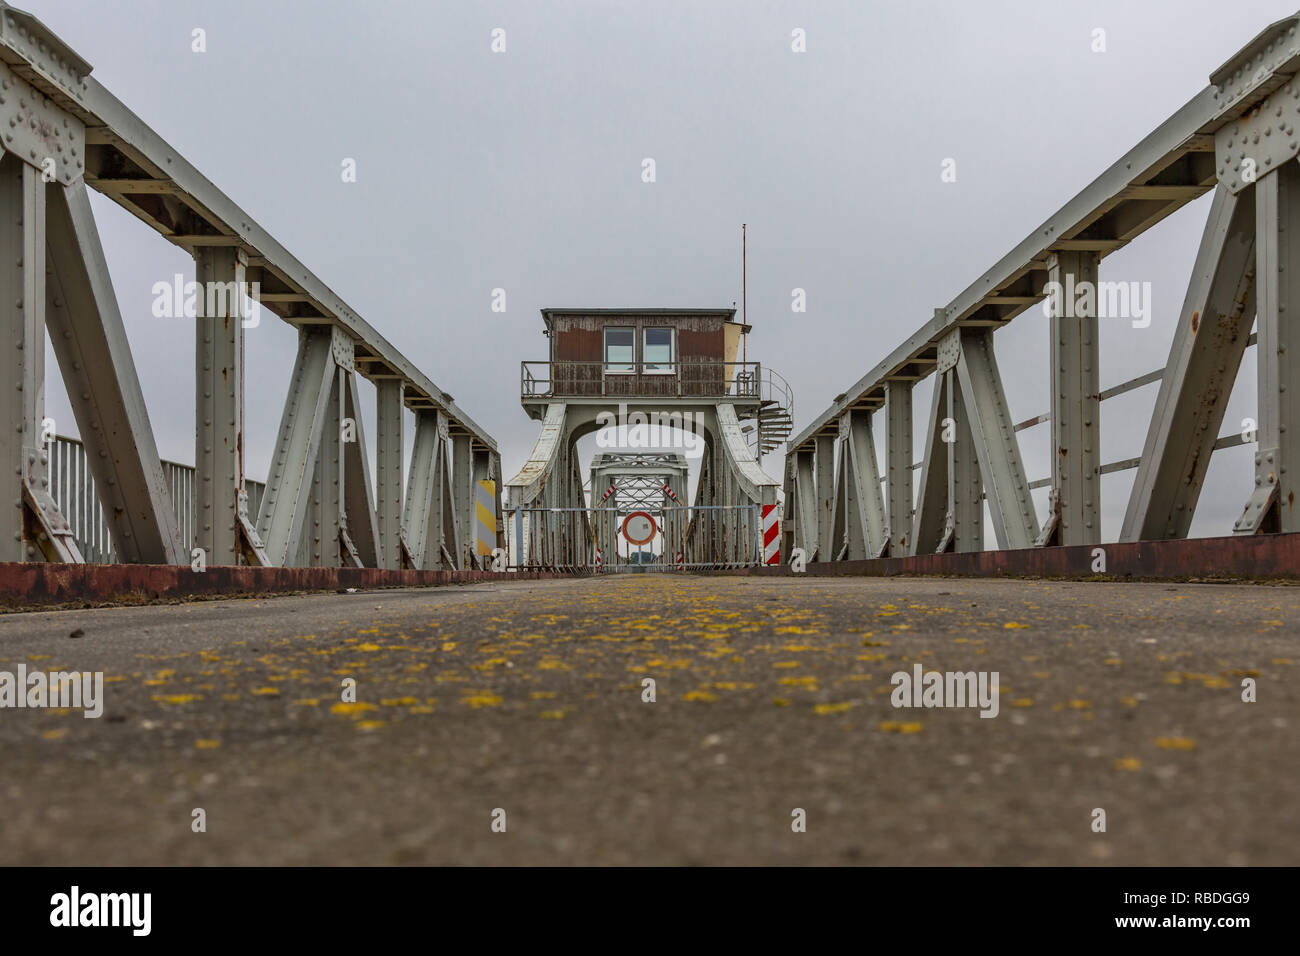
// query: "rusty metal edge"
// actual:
[[26, 585], [1265, 557]]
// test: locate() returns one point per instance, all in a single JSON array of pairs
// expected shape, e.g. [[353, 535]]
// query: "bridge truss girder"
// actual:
[[1236, 138], [67, 133]]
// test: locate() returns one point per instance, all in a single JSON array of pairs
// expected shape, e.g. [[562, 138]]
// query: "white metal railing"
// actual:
[[73, 486]]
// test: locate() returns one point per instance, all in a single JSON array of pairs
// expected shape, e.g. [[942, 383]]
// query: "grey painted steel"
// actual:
[[57, 113], [1209, 341], [431, 524], [389, 454], [362, 525], [932, 497], [446, 530], [1241, 133], [114, 129], [993, 431], [326, 523], [1075, 511], [862, 522], [22, 322], [1273, 506], [219, 400], [533, 477], [462, 476], [804, 492], [823, 494], [898, 464], [90, 344], [283, 513], [964, 524], [1166, 170], [420, 488]]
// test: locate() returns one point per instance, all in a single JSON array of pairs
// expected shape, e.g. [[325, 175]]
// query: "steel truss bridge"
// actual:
[[65, 134], [1237, 138]]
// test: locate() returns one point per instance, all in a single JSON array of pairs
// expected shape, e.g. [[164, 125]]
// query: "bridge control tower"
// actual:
[[668, 379]]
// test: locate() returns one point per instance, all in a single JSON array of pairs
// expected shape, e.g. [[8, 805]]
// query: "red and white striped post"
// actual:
[[771, 535], [681, 561], [599, 556]]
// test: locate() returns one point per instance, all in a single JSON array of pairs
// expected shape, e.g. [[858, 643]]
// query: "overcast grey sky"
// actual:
[[522, 170]]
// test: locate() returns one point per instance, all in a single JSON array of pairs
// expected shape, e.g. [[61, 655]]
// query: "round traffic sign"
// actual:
[[639, 528]]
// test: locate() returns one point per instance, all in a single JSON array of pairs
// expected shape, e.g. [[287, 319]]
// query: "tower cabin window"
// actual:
[[620, 349], [657, 354]]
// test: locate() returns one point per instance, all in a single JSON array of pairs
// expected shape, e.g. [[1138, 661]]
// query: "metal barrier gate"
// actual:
[[703, 537]]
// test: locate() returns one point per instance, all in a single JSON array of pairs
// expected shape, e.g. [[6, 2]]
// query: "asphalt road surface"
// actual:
[[772, 695]]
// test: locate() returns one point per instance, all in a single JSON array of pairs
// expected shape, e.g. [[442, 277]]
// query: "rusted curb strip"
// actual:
[[28, 585], [1257, 557]]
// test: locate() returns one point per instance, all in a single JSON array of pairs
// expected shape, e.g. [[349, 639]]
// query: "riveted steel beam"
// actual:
[[1275, 503], [22, 342], [1209, 342], [898, 464], [1166, 170], [823, 495], [389, 454], [932, 501], [420, 490], [219, 402], [1075, 499], [91, 346], [860, 521], [803, 506], [325, 531], [462, 475], [964, 522], [993, 431], [362, 528], [284, 506], [163, 184]]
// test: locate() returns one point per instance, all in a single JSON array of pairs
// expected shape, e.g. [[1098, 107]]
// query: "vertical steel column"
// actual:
[[898, 463], [1275, 503], [804, 507], [462, 476], [22, 324], [965, 483], [362, 539], [388, 461], [864, 510], [441, 545], [1075, 513], [327, 491], [823, 495], [219, 401]]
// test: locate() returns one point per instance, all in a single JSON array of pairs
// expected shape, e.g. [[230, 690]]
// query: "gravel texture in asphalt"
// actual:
[[525, 703]]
